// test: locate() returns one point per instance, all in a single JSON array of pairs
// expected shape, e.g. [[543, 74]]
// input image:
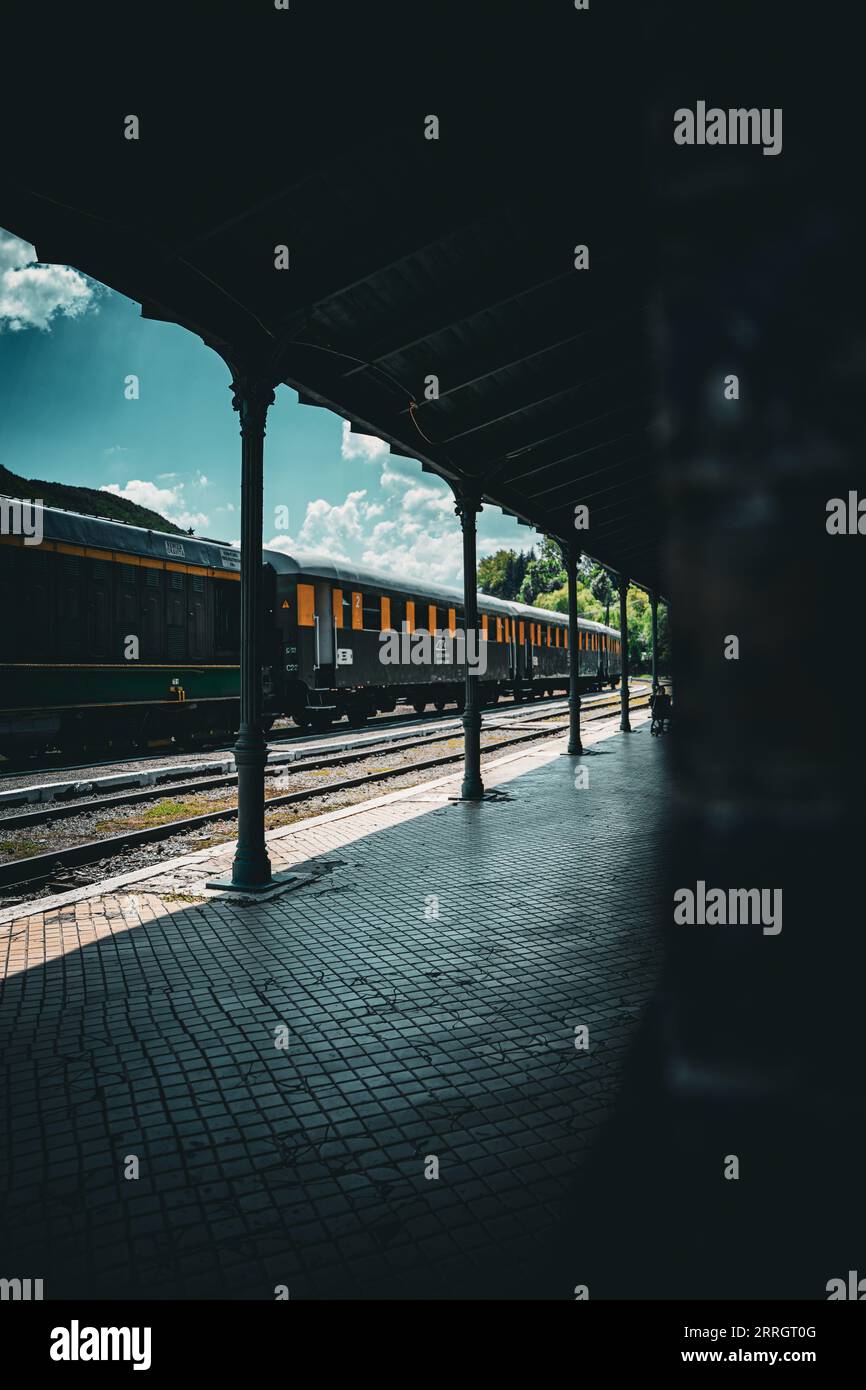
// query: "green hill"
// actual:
[[84, 499]]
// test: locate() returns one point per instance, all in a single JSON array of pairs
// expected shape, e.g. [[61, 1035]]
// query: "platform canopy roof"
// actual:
[[409, 258]]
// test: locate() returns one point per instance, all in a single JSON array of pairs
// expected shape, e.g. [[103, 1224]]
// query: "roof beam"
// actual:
[[526, 406]]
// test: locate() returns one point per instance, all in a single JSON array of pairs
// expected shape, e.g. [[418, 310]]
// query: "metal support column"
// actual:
[[625, 726], [467, 508], [251, 870], [654, 607], [571, 555]]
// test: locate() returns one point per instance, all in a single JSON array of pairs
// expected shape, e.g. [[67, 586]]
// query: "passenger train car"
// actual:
[[115, 635]]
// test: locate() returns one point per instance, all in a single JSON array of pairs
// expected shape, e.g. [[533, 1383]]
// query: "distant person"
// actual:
[[661, 712]]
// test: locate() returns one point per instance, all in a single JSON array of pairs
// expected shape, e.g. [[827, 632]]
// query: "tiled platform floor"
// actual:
[[429, 975]]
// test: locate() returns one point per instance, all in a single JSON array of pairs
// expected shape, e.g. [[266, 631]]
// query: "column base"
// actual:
[[274, 885], [474, 800]]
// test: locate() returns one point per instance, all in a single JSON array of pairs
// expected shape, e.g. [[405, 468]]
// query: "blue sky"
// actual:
[[67, 345]]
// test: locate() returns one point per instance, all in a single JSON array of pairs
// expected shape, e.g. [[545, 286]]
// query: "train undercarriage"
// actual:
[[197, 723], [318, 709]]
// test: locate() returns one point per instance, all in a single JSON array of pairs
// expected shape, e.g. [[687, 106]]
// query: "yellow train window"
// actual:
[[410, 615], [499, 629], [357, 610], [484, 627], [306, 605], [386, 614], [337, 606], [452, 620], [431, 617]]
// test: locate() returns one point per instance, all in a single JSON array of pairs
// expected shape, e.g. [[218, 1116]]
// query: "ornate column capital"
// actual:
[[467, 502], [252, 396]]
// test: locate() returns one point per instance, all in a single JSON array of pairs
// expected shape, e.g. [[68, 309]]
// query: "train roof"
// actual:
[[342, 572], [76, 528]]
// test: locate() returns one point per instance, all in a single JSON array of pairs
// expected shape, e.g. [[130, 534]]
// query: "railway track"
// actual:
[[71, 798], [155, 773], [49, 868]]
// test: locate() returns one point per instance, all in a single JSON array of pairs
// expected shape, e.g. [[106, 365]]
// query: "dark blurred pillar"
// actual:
[[762, 352], [753, 1047], [251, 869], [654, 608], [624, 724], [468, 505], [571, 555]]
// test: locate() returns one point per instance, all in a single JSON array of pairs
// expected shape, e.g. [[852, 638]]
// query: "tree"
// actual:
[[602, 588], [492, 573], [502, 573], [639, 621], [544, 573], [587, 606]]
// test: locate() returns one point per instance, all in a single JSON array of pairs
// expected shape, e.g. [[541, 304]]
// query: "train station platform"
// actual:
[[375, 1083]]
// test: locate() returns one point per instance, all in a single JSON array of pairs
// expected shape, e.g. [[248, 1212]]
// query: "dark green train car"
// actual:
[[115, 635]]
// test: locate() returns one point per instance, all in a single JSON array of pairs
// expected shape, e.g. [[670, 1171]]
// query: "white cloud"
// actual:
[[334, 529], [169, 502], [361, 446], [421, 556], [284, 543], [411, 532], [32, 295], [393, 481], [408, 528], [431, 501]]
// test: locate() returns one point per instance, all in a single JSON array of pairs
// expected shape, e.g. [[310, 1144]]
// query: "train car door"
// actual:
[[226, 620], [324, 622], [151, 618], [198, 633], [99, 610], [324, 636], [175, 616]]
